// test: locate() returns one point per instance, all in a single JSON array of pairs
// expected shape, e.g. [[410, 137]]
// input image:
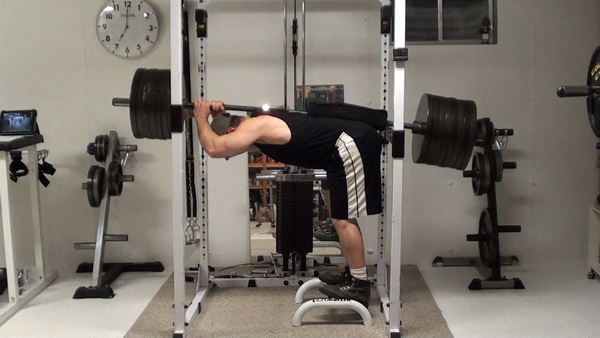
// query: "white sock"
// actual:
[[359, 273]]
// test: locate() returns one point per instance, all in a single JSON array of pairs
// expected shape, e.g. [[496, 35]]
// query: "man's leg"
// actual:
[[351, 242], [357, 287]]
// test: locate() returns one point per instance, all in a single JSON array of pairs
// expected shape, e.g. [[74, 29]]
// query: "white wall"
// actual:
[[51, 60]]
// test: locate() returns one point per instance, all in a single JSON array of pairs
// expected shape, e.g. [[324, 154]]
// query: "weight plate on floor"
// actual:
[[95, 185], [115, 184], [593, 100], [421, 141], [488, 249]]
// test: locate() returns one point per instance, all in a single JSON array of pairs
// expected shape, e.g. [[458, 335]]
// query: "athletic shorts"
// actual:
[[354, 175]]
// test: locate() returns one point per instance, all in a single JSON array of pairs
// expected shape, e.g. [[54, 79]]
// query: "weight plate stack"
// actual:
[[101, 144]]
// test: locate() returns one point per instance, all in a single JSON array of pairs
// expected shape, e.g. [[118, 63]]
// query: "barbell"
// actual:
[[444, 130]]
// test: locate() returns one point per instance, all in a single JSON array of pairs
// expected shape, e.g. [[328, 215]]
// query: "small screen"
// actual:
[[18, 122]]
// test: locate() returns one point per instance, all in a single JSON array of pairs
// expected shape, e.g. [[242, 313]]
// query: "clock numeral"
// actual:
[[151, 28], [138, 46], [127, 4], [108, 16], [107, 38], [104, 25], [127, 50]]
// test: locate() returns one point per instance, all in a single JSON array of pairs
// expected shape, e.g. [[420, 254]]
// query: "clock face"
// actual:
[[127, 28]]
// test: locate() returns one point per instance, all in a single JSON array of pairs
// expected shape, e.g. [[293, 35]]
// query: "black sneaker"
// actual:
[[355, 289], [333, 278]]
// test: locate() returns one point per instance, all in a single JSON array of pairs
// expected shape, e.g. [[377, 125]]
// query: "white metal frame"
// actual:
[[13, 251], [387, 286]]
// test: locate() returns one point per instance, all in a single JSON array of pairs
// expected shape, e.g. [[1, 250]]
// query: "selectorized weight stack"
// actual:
[[104, 181]]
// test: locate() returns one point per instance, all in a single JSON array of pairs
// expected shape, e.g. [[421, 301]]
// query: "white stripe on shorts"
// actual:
[[355, 175]]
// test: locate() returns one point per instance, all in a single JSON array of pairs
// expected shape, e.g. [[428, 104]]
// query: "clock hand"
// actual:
[[126, 23]]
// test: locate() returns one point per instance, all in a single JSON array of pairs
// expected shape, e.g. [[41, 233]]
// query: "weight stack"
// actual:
[[294, 220]]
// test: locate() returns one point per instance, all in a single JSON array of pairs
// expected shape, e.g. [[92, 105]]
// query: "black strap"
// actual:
[[17, 167]]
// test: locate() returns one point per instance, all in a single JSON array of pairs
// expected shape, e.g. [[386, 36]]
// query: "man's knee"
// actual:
[[344, 224]]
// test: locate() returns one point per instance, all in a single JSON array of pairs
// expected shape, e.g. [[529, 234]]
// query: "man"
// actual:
[[349, 151]]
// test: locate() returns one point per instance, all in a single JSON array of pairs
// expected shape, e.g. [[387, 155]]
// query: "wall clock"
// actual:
[[127, 29]]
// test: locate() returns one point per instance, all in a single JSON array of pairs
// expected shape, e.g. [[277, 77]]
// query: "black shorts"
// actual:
[[354, 175]]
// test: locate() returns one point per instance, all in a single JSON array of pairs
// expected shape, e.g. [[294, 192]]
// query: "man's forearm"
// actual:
[[205, 134]]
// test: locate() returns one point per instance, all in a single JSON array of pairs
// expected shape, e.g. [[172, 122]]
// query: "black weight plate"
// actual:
[[420, 141], [154, 105], [485, 132], [470, 132], [166, 116], [452, 127], [488, 250], [444, 131], [115, 185], [133, 102], [435, 102], [457, 136], [163, 98], [593, 100], [152, 100], [149, 98], [435, 130], [101, 143], [498, 165], [95, 185], [142, 103], [482, 179]]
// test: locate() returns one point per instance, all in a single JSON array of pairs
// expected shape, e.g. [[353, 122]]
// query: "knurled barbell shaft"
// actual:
[[124, 102]]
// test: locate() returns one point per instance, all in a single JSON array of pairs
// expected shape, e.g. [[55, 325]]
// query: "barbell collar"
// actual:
[[416, 127], [573, 91], [509, 165]]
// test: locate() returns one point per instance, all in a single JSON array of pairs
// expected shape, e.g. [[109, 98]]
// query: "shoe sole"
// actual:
[[334, 296]]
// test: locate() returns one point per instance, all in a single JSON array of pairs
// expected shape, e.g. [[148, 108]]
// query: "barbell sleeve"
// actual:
[[120, 102], [571, 91]]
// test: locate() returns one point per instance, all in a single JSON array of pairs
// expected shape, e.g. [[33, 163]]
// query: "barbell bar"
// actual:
[[444, 130]]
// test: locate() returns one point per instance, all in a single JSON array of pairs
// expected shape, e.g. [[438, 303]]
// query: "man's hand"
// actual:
[[204, 108]]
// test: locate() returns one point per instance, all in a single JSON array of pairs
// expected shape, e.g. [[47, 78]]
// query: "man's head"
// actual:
[[225, 123]]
